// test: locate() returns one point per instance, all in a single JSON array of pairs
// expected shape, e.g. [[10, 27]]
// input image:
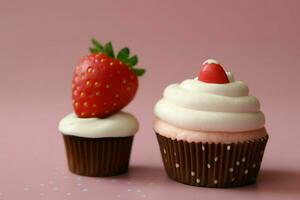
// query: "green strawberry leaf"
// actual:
[[108, 49], [98, 46], [93, 50], [123, 54], [131, 61], [138, 71]]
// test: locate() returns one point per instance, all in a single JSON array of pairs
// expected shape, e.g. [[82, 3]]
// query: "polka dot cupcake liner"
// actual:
[[98, 156], [211, 164]]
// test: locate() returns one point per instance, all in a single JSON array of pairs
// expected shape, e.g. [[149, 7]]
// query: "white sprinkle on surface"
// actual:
[[254, 165], [246, 171], [237, 163], [198, 180], [216, 159], [228, 147], [231, 169], [216, 182], [165, 151], [203, 148], [208, 166], [192, 173], [176, 165], [174, 153], [129, 190], [243, 159], [85, 190]]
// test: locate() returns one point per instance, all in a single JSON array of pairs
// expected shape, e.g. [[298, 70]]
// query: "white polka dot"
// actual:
[[165, 151], [237, 163], [216, 159], [246, 171], [138, 191], [203, 148], [174, 153], [228, 147], [254, 165], [216, 182], [85, 190], [231, 169], [208, 166], [129, 190], [192, 173], [176, 165], [243, 159], [198, 180]]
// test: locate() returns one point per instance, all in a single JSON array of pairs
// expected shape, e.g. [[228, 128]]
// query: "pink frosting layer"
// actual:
[[174, 132]]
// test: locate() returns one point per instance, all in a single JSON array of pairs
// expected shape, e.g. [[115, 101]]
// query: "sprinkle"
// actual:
[[176, 165], [228, 148], [246, 171], [243, 159], [208, 166], [231, 169], [254, 165], [216, 159], [192, 173], [216, 182]]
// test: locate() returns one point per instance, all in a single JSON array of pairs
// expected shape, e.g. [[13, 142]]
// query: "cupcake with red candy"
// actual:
[[211, 132], [98, 135]]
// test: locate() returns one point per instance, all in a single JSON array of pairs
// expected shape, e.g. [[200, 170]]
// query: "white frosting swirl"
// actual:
[[201, 106], [121, 124]]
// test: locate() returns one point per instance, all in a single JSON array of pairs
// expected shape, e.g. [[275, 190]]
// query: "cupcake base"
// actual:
[[98, 156], [211, 164]]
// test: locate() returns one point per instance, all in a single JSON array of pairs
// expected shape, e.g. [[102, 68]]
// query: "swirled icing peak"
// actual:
[[202, 106]]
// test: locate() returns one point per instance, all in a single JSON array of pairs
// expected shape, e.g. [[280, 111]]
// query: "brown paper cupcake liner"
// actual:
[[98, 156], [212, 164]]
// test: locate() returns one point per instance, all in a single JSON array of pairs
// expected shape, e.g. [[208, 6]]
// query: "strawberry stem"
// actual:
[[123, 55]]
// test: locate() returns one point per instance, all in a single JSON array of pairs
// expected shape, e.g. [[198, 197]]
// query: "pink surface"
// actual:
[[42, 41]]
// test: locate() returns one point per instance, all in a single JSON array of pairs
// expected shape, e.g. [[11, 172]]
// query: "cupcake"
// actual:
[[210, 131], [98, 135]]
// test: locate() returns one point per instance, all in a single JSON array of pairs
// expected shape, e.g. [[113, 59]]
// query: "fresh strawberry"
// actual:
[[102, 84], [212, 72]]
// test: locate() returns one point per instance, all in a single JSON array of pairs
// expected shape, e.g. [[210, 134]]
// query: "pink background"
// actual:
[[41, 41]]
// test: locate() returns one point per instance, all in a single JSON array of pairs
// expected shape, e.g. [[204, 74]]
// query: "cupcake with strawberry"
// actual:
[[98, 135], [211, 132]]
